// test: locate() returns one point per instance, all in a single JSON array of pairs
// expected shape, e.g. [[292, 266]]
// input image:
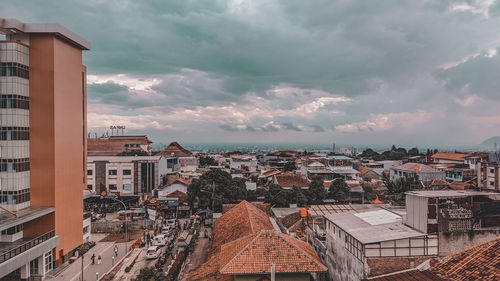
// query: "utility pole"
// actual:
[[82, 265]]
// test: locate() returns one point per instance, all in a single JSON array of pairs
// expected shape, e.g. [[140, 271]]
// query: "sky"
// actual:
[[320, 71]]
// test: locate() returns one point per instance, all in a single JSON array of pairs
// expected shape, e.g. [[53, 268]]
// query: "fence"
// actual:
[[25, 246], [117, 226]]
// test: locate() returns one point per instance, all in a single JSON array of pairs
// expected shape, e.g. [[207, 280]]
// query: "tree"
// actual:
[[277, 196], [290, 166], [413, 152], [297, 196], [150, 274], [393, 148], [207, 161], [400, 186], [316, 192], [339, 190], [215, 188]]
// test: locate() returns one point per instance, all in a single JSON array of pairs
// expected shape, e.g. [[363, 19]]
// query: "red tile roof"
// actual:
[[481, 262], [255, 253], [114, 145], [264, 207], [412, 275], [175, 149], [271, 173], [183, 197], [449, 156], [289, 180], [242, 220]]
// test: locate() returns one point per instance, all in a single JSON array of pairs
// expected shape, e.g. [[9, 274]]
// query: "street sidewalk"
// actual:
[[105, 249]]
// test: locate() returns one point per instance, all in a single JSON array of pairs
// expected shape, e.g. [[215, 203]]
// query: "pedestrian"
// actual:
[[99, 259], [116, 251], [92, 258]]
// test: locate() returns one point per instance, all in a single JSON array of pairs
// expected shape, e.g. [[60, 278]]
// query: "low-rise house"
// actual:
[[177, 184], [245, 246], [289, 180], [245, 162], [424, 172], [369, 175], [362, 245], [446, 157], [460, 219], [488, 173]]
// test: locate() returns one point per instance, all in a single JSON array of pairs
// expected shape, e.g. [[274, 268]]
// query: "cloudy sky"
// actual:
[[361, 72]]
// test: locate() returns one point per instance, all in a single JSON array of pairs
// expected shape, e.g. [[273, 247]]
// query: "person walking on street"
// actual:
[[92, 258], [116, 251], [99, 259]]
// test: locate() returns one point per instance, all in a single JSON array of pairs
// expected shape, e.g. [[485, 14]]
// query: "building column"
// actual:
[[41, 265], [25, 271]]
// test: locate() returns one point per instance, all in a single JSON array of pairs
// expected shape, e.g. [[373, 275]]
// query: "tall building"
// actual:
[[42, 146]]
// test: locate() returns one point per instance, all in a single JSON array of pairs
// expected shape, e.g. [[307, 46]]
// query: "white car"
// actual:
[[160, 240], [171, 223], [166, 230], [153, 252]]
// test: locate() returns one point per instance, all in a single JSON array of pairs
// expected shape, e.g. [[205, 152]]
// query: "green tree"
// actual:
[[150, 274], [277, 196], [339, 190], [290, 166], [400, 186], [413, 152], [393, 148], [205, 161], [215, 188], [316, 192], [296, 195]]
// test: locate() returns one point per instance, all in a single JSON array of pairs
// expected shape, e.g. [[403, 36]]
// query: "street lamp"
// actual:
[[126, 217], [81, 252]]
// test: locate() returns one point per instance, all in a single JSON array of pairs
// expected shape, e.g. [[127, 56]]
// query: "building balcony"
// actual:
[[13, 249]]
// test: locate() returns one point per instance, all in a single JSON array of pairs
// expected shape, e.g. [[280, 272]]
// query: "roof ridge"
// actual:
[[301, 250], [242, 250]]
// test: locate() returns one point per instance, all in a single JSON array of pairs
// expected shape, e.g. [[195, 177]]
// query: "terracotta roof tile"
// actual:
[[412, 275], [481, 262], [289, 180], [449, 156], [255, 253], [176, 149]]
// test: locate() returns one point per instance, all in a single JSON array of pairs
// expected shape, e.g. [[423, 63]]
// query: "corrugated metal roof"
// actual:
[[374, 226]]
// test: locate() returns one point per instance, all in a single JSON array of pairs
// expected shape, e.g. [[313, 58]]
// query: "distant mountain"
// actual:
[[489, 142]]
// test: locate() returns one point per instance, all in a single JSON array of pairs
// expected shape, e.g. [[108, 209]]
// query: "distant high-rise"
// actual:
[[42, 146]]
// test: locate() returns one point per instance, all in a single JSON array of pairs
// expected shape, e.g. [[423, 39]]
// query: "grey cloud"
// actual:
[[290, 126], [228, 128], [317, 128]]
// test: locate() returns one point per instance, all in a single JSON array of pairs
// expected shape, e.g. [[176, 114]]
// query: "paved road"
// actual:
[[199, 255], [105, 249]]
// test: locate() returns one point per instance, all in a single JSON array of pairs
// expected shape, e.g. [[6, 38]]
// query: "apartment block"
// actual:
[[42, 147]]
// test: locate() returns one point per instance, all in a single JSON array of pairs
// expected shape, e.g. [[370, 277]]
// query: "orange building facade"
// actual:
[[43, 139]]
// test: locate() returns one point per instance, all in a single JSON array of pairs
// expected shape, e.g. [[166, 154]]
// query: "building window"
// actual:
[[13, 230], [492, 171], [48, 261], [15, 197], [112, 172], [86, 230], [89, 186], [89, 172], [15, 165], [127, 172], [492, 183], [127, 187], [14, 101], [34, 266], [14, 69], [14, 133], [112, 187]]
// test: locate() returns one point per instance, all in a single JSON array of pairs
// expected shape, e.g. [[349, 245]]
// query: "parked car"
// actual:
[[171, 223], [153, 252], [160, 240]]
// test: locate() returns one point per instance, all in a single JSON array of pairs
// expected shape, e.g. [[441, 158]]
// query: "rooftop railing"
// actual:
[[7, 255]]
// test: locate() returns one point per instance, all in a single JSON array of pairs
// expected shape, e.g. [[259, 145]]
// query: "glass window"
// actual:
[[48, 261], [112, 187], [127, 186], [127, 172], [89, 172], [34, 266], [112, 172]]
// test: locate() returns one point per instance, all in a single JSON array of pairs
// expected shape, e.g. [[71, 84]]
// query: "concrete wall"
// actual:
[[58, 134], [456, 241], [379, 266], [342, 265], [279, 277], [116, 226]]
